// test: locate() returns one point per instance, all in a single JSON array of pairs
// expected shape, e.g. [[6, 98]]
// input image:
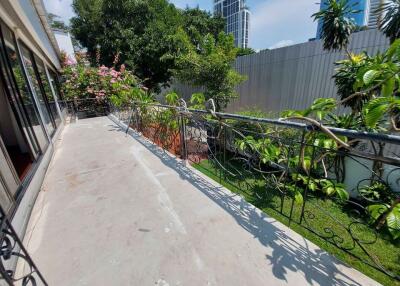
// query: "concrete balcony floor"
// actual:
[[116, 210]]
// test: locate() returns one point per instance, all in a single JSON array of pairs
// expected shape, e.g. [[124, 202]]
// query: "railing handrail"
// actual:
[[387, 138]]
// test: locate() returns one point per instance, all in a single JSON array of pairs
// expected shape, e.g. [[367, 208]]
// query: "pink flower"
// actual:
[[69, 61], [114, 73]]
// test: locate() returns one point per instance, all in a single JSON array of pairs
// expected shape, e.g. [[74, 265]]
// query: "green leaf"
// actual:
[[375, 110], [375, 211], [342, 193], [197, 98], [172, 98], [312, 185], [393, 222], [298, 197], [393, 49], [370, 76], [388, 87]]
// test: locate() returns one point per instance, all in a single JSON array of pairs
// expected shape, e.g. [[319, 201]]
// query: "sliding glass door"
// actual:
[[29, 63], [47, 92], [24, 98]]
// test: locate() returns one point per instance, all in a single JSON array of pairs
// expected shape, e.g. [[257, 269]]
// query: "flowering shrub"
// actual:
[[84, 82]]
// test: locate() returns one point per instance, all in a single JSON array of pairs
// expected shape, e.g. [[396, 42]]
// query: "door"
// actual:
[[27, 58], [20, 96]]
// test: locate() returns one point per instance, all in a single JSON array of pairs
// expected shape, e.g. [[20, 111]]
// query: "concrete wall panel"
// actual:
[[292, 77]]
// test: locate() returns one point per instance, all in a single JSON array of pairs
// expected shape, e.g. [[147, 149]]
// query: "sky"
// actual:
[[273, 23]]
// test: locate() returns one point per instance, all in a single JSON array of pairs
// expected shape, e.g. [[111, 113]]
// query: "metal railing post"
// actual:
[[137, 109], [307, 188], [130, 118], [184, 150], [299, 166]]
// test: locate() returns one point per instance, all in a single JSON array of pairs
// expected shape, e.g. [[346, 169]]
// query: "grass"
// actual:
[[324, 210]]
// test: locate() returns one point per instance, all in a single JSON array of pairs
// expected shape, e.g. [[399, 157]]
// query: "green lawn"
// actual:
[[254, 191]]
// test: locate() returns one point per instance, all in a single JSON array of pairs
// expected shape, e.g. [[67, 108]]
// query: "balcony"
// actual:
[[116, 209]]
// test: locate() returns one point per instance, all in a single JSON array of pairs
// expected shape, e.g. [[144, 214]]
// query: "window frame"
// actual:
[[16, 89]]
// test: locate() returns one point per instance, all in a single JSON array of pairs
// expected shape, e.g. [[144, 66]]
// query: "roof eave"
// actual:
[[41, 11]]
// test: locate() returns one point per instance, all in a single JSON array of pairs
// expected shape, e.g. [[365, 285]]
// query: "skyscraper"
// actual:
[[361, 18], [374, 15], [237, 17]]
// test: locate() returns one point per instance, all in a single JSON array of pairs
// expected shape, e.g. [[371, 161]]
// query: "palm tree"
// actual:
[[337, 24], [390, 23]]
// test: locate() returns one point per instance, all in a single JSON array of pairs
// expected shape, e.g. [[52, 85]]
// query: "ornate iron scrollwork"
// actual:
[[228, 143], [13, 253]]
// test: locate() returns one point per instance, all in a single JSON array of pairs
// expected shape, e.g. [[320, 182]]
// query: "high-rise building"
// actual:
[[361, 18], [374, 14], [237, 17]]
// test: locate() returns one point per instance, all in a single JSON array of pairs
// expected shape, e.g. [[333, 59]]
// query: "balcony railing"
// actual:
[[86, 108], [340, 188], [13, 255]]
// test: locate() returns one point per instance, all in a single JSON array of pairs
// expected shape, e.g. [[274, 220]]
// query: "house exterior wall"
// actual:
[[23, 26]]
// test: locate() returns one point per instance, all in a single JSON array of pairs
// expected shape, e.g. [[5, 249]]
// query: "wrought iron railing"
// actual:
[[339, 186], [13, 255], [87, 108]]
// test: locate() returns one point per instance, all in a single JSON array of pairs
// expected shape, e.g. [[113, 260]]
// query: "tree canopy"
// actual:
[[56, 23], [390, 24], [337, 23], [197, 23], [245, 52], [139, 34], [209, 65]]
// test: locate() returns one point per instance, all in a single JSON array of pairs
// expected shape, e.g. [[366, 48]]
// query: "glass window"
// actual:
[[52, 103], [29, 64], [37, 133], [56, 87]]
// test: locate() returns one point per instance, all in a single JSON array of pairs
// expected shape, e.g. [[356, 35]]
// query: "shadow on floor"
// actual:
[[288, 255]]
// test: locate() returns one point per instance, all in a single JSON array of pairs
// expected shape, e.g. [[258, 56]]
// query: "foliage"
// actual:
[[377, 191], [370, 86], [197, 100], [108, 25], [210, 66], [269, 152], [140, 33], [56, 23], [390, 24], [83, 82], [172, 98], [251, 128], [245, 51], [337, 24], [324, 186], [381, 78], [345, 121], [258, 113], [320, 108], [346, 78], [387, 215], [197, 23], [264, 148], [86, 26]]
